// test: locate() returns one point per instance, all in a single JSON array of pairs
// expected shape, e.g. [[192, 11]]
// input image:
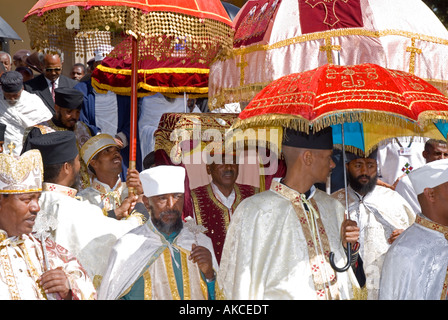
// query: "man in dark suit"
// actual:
[[51, 79]]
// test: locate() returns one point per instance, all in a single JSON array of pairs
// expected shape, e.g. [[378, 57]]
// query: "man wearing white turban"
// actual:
[[415, 266], [165, 258]]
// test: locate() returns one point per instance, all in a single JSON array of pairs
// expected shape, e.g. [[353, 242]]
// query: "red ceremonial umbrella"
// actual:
[[333, 95], [61, 24]]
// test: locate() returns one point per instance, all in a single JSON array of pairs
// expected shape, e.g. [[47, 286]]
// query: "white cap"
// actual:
[[102, 51], [162, 180], [429, 175]]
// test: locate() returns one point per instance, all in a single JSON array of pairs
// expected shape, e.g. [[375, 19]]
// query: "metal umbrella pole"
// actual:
[[347, 215]]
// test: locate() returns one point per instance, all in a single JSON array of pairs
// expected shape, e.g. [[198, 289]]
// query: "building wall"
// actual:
[[13, 12]]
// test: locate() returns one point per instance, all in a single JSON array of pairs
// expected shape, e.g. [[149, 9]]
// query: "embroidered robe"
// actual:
[[22, 263], [81, 227], [377, 214], [214, 215], [103, 196], [275, 249], [145, 253]]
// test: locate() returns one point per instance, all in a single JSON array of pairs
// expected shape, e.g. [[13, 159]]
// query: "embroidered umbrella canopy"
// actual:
[[389, 102], [195, 24], [173, 60], [274, 38]]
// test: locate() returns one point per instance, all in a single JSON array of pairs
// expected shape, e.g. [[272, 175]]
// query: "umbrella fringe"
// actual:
[[297, 122]]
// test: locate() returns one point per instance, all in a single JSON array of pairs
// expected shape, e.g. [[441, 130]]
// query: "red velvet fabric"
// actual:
[[330, 90]]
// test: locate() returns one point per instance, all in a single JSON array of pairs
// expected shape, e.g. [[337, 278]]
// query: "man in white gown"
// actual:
[[101, 154], [380, 213], [415, 267], [165, 259], [278, 242], [19, 109], [77, 225]]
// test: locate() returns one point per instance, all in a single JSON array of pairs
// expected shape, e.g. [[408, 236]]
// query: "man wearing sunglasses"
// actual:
[[51, 79]]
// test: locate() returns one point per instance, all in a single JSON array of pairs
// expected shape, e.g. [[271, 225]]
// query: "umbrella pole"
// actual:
[[346, 214], [133, 129]]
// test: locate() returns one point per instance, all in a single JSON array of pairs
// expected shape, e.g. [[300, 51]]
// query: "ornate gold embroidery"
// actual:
[[247, 92], [170, 274], [324, 277], [148, 285]]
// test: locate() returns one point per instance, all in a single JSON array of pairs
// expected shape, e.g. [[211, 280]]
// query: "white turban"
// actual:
[[429, 175], [162, 180]]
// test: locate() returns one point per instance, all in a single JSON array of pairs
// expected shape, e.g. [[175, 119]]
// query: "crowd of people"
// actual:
[[77, 223]]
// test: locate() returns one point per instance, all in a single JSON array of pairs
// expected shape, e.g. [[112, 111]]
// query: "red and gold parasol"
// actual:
[[333, 94], [201, 24]]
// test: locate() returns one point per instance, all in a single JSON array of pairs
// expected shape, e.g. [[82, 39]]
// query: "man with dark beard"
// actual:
[[165, 258], [380, 213], [68, 103]]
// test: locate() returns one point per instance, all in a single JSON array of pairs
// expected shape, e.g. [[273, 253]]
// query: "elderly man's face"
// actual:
[[12, 98], [362, 175], [18, 212], [166, 211], [4, 58]]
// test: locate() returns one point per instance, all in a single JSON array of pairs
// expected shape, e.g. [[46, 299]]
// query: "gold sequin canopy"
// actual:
[[81, 26]]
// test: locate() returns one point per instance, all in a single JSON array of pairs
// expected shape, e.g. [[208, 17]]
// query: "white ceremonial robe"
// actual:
[[415, 267], [152, 109], [144, 248], [269, 252], [377, 214], [28, 111], [103, 196], [81, 228], [22, 262]]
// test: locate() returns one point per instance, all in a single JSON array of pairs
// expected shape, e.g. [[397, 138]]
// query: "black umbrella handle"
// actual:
[[349, 259]]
